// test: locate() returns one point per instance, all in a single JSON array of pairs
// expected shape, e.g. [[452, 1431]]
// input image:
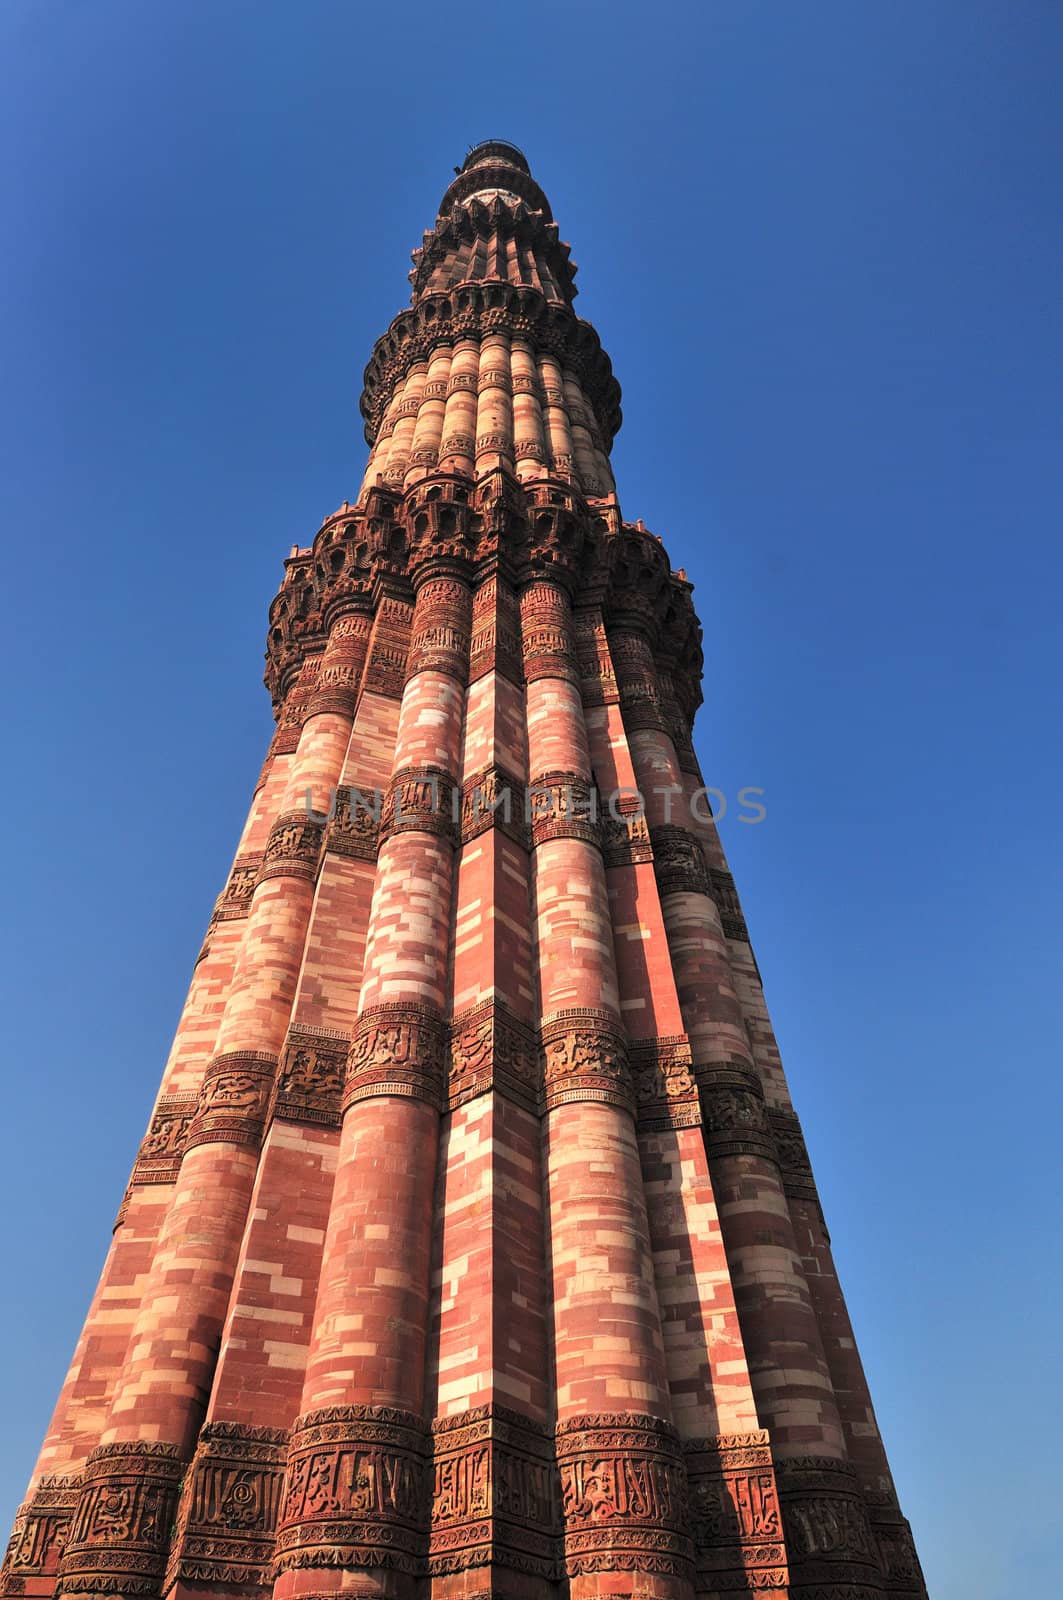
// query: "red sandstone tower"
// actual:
[[473, 1247]]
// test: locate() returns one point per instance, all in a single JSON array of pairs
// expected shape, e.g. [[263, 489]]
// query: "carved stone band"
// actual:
[[293, 848], [735, 1517], [310, 1076], [495, 1498], [227, 1515], [623, 1495], [584, 1059], [42, 1526], [120, 1531], [678, 861], [563, 805], [490, 1049], [159, 1157], [355, 1491], [828, 1533], [233, 1100], [792, 1155], [422, 800], [732, 1101], [666, 1093], [234, 901], [397, 1049], [353, 830]]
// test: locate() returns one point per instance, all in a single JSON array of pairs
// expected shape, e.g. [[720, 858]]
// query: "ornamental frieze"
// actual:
[[356, 1491], [495, 1494], [227, 1515], [735, 1515], [495, 642], [584, 1058], [233, 1100], [723, 891], [310, 1076], [159, 1157], [792, 1154], [623, 1495], [494, 798], [625, 837], [397, 1049], [678, 861], [293, 848], [733, 1111], [234, 901], [666, 1092], [120, 1530], [423, 799], [491, 1049], [42, 1526], [896, 1549], [353, 827], [828, 1531], [563, 805]]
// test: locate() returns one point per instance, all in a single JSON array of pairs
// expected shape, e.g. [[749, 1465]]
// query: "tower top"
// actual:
[[496, 149]]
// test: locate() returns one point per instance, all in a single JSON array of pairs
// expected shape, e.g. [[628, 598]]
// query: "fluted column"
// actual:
[[613, 1407], [582, 443], [428, 431], [363, 1396], [555, 416], [405, 424], [457, 448], [529, 440], [494, 410]]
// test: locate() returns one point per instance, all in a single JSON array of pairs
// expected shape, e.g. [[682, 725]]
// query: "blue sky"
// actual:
[[821, 243]]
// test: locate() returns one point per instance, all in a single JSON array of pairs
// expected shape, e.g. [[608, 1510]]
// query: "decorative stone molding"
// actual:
[[723, 891], [159, 1157], [494, 798], [828, 1532], [234, 902], [666, 1093], [678, 861], [424, 799], [353, 829], [397, 1049], [227, 1515], [625, 833], [733, 1112], [491, 1049], [623, 1496], [356, 1491], [120, 1531], [293, 848], [896, 1549], [310, 1076], [439, 639], [584, 1058], [495, 1494], [495, 641], [563, 805], [735, 1516], [233, 1100], [42, 1526], [792, 1155]]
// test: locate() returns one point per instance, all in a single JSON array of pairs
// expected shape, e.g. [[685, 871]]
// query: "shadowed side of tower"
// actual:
[[473, 1246]]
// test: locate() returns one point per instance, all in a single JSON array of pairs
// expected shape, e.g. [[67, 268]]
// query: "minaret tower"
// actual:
[[472, 1248]]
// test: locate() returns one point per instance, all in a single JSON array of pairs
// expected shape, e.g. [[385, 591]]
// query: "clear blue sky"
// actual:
[[821, 242]]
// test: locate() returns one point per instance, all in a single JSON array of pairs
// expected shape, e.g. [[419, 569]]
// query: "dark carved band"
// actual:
[[228, 1510], [666, 1093], [495, 1499], [491, 1049], [120, 1531], [293, 847], [623, 1495], [353, 829], [233, 1100], [584, 1058], [422, 800], [42, 1526], [494, 798], [735, 1517], [234, 901], [678, 861], [397, 1049], [159, 1157], [356, 1490], [723, 891], [310, 1076], [828, 1534], [732, 1101], [564, 805]]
